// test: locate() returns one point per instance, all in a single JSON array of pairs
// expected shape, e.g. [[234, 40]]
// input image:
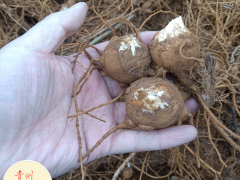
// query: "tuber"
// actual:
[[127, 173], [197, 2], [177, 50], [154, 103], [151, 103], [125, 59]]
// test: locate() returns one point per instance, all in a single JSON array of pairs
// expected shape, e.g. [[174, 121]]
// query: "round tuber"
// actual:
[[197, 2], [177, 49], [151, 103], [125, 59], [127, 173], [154, 103]]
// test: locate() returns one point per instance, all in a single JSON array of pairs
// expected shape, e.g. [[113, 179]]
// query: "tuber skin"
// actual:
[[197, 2], [154, 103], [151, 103], [127, 173], [125, 60], [165, 51]]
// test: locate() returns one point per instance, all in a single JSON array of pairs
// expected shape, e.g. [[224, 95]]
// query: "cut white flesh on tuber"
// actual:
[[130, 42], [151, 99], [173, 29]]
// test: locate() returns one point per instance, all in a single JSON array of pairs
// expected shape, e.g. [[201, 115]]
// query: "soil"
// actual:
[[215, 23]]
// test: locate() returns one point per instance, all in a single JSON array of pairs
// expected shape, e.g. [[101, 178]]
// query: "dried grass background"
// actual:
[[216, 23]]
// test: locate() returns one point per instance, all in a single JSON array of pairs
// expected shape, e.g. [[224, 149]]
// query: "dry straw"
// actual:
[[215, 23]]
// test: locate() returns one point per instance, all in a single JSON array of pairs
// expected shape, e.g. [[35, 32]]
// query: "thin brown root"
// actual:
[[99, 52], [80, 147], [78, 83], [80, 48], [196, 142], [230, 84], [115, 128], [215, 119], [81, 65], [93, 116], [234, 77], [221, 86], [123, 165], [126, 22], [229, 140], [234, 103], [217, 125], [153, 177], [114, 34], [234, 93], [165, 12], [193, 58], [87, 54], [210, 138], [85, 80], [205, 164], [231, 167], [75, 95], [143, 165], [84, 112], [164, 75]]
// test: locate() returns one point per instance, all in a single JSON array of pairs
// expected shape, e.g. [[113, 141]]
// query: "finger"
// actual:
[[119, 112], [113, 86], [147, 36], [191, 105], [124, 141], [47, 35]]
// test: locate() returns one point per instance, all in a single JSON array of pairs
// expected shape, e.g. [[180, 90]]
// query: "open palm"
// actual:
[[36, 89]]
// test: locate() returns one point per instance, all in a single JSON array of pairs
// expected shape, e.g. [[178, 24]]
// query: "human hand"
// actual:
[[36, 91]]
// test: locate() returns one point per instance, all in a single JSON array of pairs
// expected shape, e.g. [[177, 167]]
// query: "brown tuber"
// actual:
[[197, 2], [177, 49], [127, 173], [151, 103], [154, 103], [125, 59]]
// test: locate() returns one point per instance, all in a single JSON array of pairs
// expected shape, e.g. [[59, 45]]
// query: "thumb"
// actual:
[[49, 34]]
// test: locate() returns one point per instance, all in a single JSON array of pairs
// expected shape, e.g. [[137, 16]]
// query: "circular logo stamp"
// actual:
[[27, 170]]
